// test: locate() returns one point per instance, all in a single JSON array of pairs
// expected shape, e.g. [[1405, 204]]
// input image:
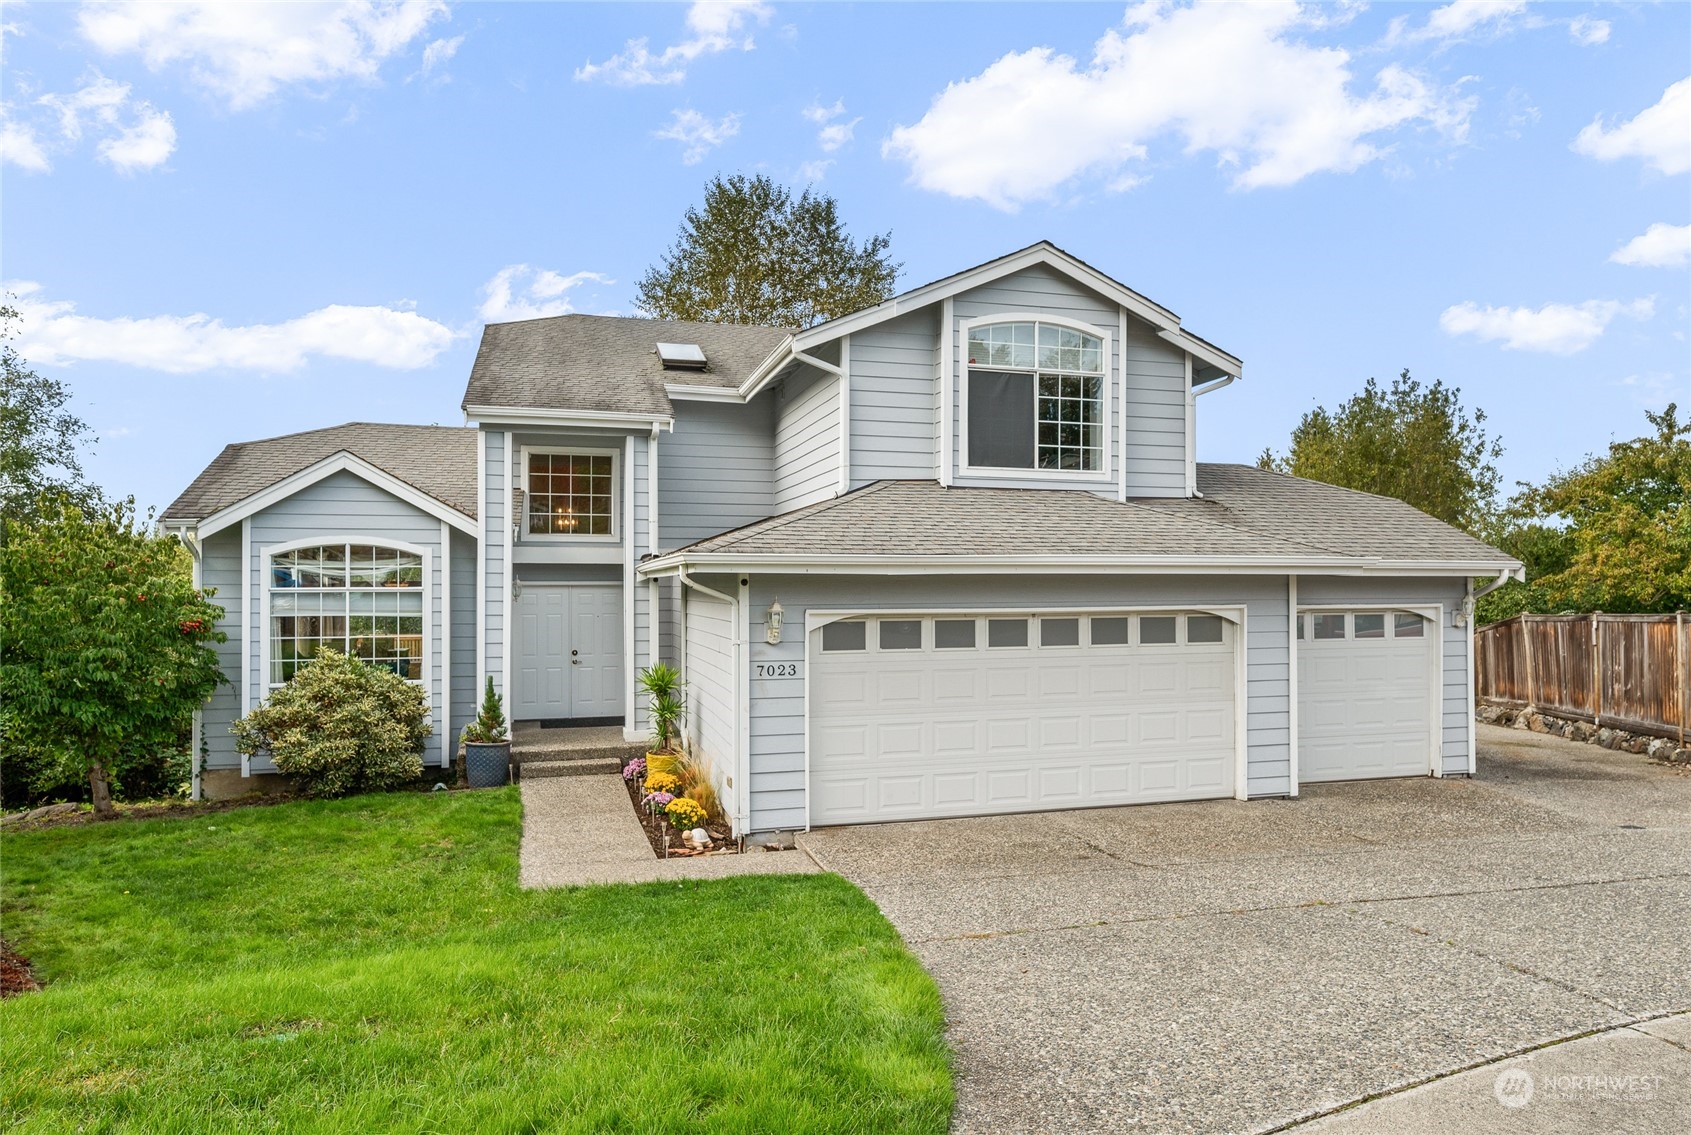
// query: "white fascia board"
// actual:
[[728, 563], [767, 369], [679, 392], [310, 475], [1152, 313], [1221, 360], [505, 416]]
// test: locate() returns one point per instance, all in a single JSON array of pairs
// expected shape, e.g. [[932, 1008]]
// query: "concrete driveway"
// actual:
[[1226, 966]]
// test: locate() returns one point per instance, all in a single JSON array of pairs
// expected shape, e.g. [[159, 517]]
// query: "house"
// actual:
[[949, 555]]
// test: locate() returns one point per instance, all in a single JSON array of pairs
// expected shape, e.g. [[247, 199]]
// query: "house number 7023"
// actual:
[[777, 669]]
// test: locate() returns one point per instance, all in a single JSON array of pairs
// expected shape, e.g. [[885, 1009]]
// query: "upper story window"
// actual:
[[362, 599], [570, 494], [1036, 397]]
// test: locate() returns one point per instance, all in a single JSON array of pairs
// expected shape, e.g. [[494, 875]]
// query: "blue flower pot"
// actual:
[[487, 764]]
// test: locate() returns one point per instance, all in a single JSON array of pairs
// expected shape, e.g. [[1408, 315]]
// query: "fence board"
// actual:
[[1629, 671]]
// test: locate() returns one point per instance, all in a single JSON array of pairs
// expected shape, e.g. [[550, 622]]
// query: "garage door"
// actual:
[[1365, 694], [958, 715]]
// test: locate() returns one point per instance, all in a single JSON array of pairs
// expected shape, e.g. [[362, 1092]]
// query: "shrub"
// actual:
[[489, 727], [340, 727], [662, 685], [684, 813]]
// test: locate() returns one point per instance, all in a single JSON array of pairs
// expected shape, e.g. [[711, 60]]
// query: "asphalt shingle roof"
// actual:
[[607, 364], [1247, 513], [437, 460]]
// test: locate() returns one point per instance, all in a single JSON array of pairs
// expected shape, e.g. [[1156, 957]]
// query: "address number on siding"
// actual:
[[777, 669]]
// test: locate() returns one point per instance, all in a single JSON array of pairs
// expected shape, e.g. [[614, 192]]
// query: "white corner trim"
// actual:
[[443, 709], [1121, 388], [743, 706], [844, 373], [1292, 674], [1472, 693], [342, 461], [507, 603], [628, 660], [481, 566], [1242, 707], [949, 435], [247, 574], [196, 730], [1191, 432]]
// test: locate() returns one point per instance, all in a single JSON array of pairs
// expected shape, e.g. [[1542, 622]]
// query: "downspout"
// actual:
[[1192, 393], [1473, 596], [742, 791]]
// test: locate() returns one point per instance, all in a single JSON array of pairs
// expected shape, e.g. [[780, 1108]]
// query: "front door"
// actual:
[[568, 652]]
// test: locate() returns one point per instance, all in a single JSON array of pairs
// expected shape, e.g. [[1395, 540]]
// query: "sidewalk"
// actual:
[[580, 830]]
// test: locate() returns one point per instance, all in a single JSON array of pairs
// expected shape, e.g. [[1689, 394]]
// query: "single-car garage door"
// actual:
[[1365, 694], [915, 716]]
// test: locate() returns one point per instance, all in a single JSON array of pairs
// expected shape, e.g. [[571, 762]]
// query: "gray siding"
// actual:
[[1457, 705], [465, 696], [495, 522], [892, 388], [1039, 291], [345, 507], [807, 439], [711, 702], [717, 470], [1154, 385], [220, 568], [777, 741]]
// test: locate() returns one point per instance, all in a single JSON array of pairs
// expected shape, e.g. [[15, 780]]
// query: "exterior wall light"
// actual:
[[773, 621]]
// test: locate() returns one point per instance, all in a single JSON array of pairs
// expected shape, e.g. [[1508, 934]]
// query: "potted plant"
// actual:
[[662, 685], [487, 743]]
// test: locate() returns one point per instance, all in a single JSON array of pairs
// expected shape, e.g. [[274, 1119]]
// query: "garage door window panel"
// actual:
[[1408, 626], [1158, 630], [1109, 630], [1006, 633], [1059, 632], [1204, 628], [1370, 625], [954, 634], [900, 634], [845, 636], [1328, 626]]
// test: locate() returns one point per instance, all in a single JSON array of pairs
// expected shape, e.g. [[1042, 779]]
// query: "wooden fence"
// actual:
[[1629, 672]]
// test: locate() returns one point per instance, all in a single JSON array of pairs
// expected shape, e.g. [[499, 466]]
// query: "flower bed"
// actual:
[[665, 811]]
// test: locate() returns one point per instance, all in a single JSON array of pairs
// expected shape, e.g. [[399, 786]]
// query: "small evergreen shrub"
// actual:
[[340, 727], [489, 727]]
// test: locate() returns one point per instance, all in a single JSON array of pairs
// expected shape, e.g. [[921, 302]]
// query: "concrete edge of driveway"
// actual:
[[1475, 1066]]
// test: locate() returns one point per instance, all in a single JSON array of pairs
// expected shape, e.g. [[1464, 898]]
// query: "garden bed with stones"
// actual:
[[665, 840], [1535, 720]]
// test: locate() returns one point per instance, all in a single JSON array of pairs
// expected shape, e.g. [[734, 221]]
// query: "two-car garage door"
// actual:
[[953, 714]]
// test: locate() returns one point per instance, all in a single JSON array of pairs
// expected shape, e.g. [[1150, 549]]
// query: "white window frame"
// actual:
[[615, 537], [429, 628], [960, 379]]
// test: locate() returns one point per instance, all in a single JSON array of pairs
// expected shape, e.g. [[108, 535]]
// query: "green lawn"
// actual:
[[370, 965]]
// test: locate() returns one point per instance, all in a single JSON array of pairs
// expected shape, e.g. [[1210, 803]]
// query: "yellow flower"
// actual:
[[685, 813], [663, 782]]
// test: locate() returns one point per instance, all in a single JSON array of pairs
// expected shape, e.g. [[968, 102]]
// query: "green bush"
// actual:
[[340, 727]]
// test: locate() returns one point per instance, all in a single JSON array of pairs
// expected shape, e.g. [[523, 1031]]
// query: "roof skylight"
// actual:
[[681, 356]]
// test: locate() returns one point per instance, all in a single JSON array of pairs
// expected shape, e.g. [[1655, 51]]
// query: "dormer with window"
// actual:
[[1036, 399]]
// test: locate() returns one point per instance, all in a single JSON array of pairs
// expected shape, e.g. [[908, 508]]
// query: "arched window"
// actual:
[[1036, 397], [363, 599]]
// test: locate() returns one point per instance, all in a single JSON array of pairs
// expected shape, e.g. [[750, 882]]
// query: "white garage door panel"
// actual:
[[1365, 705], [909, 734]]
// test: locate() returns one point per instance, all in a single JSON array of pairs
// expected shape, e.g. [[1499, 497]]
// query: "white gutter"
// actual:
[[742, 790], [897, 565], [1503, 577], [1225, 380]]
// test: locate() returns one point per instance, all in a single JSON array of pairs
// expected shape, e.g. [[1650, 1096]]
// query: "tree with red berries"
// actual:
[[103, 641]]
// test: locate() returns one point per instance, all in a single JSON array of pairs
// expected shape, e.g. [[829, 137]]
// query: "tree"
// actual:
[[1611, 534], [1415, 443], [38, 438], [755, 254], [103, 639]]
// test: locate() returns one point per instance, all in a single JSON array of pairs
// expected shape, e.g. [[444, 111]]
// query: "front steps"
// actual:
[[537, 752]]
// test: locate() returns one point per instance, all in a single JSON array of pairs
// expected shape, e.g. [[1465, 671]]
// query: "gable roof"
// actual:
[[600, 364], [437, 461], [1248, 517]]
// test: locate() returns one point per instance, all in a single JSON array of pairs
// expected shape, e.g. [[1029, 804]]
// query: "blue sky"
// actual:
[[229, 222]]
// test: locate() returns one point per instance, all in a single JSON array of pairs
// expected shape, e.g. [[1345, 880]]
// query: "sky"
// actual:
[[226, 222]]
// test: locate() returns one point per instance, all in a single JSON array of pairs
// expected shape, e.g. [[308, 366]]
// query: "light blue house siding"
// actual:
[[892, 385], [1456, 699], [341, 508], [777, 705], [716, 470]]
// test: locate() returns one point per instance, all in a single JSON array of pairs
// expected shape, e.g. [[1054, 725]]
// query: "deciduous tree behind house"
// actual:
[[753, 253], [103, 641], [1416, 443], [39, 439]]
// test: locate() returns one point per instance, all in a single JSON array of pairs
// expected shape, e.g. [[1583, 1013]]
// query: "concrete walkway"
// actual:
[[1227, 966], [580, 830]]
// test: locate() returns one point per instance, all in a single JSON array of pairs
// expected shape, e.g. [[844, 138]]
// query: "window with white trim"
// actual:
[[365, 600], [1036, 397], [570, 494]]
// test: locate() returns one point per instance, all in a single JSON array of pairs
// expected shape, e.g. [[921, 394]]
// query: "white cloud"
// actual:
[[144, 141], [244, 53], [832, 134], [52, 334], [1555, 328], [1457, 21], [716, 26], [1659, 246], [438, 53], [1588, 32], [1230, 79], [814, 170], [698, 134], [20, 146], [517, 291], [1660, 135]]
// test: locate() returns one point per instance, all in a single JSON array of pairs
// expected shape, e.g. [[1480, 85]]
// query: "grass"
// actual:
[[370, 965]]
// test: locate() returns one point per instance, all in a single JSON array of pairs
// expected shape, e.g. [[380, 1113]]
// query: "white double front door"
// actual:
[[568, 652]]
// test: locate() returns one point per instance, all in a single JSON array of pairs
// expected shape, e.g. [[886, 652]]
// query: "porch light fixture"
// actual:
[[773, 622]]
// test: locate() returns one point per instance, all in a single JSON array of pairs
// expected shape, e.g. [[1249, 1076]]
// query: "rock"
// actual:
[[1606, 738], [1582, 731], [1636, 744], [1538, 723]]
